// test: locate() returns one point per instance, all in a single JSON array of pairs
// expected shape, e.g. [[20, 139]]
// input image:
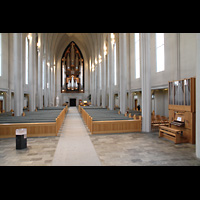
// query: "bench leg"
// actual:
[[177, 139]]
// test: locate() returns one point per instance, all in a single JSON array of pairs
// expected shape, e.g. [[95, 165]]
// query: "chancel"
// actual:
[[100, 98]]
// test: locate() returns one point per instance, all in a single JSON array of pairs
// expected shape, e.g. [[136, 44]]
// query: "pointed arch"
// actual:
[[72, 69]]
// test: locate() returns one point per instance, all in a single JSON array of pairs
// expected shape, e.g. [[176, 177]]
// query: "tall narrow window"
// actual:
[[100, 82], [26, 61], [112, 36], [0, 54], [160, 53], [115, 64], [43, 68], [137, 55]]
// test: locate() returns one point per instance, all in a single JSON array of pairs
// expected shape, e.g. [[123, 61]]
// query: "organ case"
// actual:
[[72, 74], [182, 108]]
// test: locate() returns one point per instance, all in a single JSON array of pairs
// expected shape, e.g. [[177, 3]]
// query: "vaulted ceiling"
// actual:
[[57, 42]]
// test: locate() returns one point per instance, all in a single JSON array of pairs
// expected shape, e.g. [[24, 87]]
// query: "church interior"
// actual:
[[100, 99]]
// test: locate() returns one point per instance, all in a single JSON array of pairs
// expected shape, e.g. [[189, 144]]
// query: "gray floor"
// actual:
[[142, 149], [76, 146], [39, 152]]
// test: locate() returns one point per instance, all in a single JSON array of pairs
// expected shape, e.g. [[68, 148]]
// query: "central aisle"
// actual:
[[74, 146]]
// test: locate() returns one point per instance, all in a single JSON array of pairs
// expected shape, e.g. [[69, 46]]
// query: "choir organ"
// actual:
[[182, 112]]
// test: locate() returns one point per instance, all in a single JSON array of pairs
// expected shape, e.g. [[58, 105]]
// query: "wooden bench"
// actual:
[[106, 121], [36, 126], [157, 121], [172, 134]]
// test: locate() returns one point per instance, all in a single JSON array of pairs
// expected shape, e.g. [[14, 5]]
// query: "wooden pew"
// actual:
[[172, 134]]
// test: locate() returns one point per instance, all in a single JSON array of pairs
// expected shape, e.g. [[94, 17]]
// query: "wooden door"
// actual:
[[1, 106], [135, 104]]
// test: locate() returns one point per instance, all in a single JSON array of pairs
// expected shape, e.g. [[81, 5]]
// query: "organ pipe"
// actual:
[[81, 75], [72, 55], [72, 83], [68, 62], [76, 61], [63, 75]]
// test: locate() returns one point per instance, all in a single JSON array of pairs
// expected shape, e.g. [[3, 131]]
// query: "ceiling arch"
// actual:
[[56, 41]]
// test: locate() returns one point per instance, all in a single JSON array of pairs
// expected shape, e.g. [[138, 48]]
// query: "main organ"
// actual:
[[72, 73]]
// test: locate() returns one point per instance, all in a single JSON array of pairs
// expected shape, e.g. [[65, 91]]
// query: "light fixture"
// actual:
[[38, 44], [29, 37], [93, 67], [100, 59], [112, 36], [105, 49]]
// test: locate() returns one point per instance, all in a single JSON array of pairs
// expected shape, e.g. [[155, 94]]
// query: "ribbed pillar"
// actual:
[[146, 82], [18, 80], [123, 71]]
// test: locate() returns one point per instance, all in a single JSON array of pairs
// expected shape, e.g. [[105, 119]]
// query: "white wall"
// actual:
[[188, 55], [183, 52], [161, 102], [187, 59]]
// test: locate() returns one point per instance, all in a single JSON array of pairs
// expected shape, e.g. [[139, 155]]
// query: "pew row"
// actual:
[[104, 121], [35, 128]]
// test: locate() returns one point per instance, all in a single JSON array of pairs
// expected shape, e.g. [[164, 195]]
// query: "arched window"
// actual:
[[72, 70]]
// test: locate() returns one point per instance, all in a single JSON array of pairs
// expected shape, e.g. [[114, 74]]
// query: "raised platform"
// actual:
[[44, 122]]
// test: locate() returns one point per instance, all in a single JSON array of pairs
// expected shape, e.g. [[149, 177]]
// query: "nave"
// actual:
[[74, 146]]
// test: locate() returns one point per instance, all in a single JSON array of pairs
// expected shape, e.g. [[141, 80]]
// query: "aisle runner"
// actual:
[[74, 146]]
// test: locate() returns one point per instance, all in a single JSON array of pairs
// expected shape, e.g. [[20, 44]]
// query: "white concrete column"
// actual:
[[52, 86], [32, 74], [98, 70], [92, 81], [18, 80], [198, 98], [10, 68], [146, 82], [111, 73], [40, 53], [123, 71], [45, 81], [95, 84], [48, 82], [103, 71]]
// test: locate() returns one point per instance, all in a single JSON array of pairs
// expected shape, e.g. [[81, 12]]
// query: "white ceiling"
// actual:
[[59, 41]]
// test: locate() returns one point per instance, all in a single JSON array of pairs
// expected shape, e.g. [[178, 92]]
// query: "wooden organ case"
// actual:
[[72, 73], [182, 111]]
